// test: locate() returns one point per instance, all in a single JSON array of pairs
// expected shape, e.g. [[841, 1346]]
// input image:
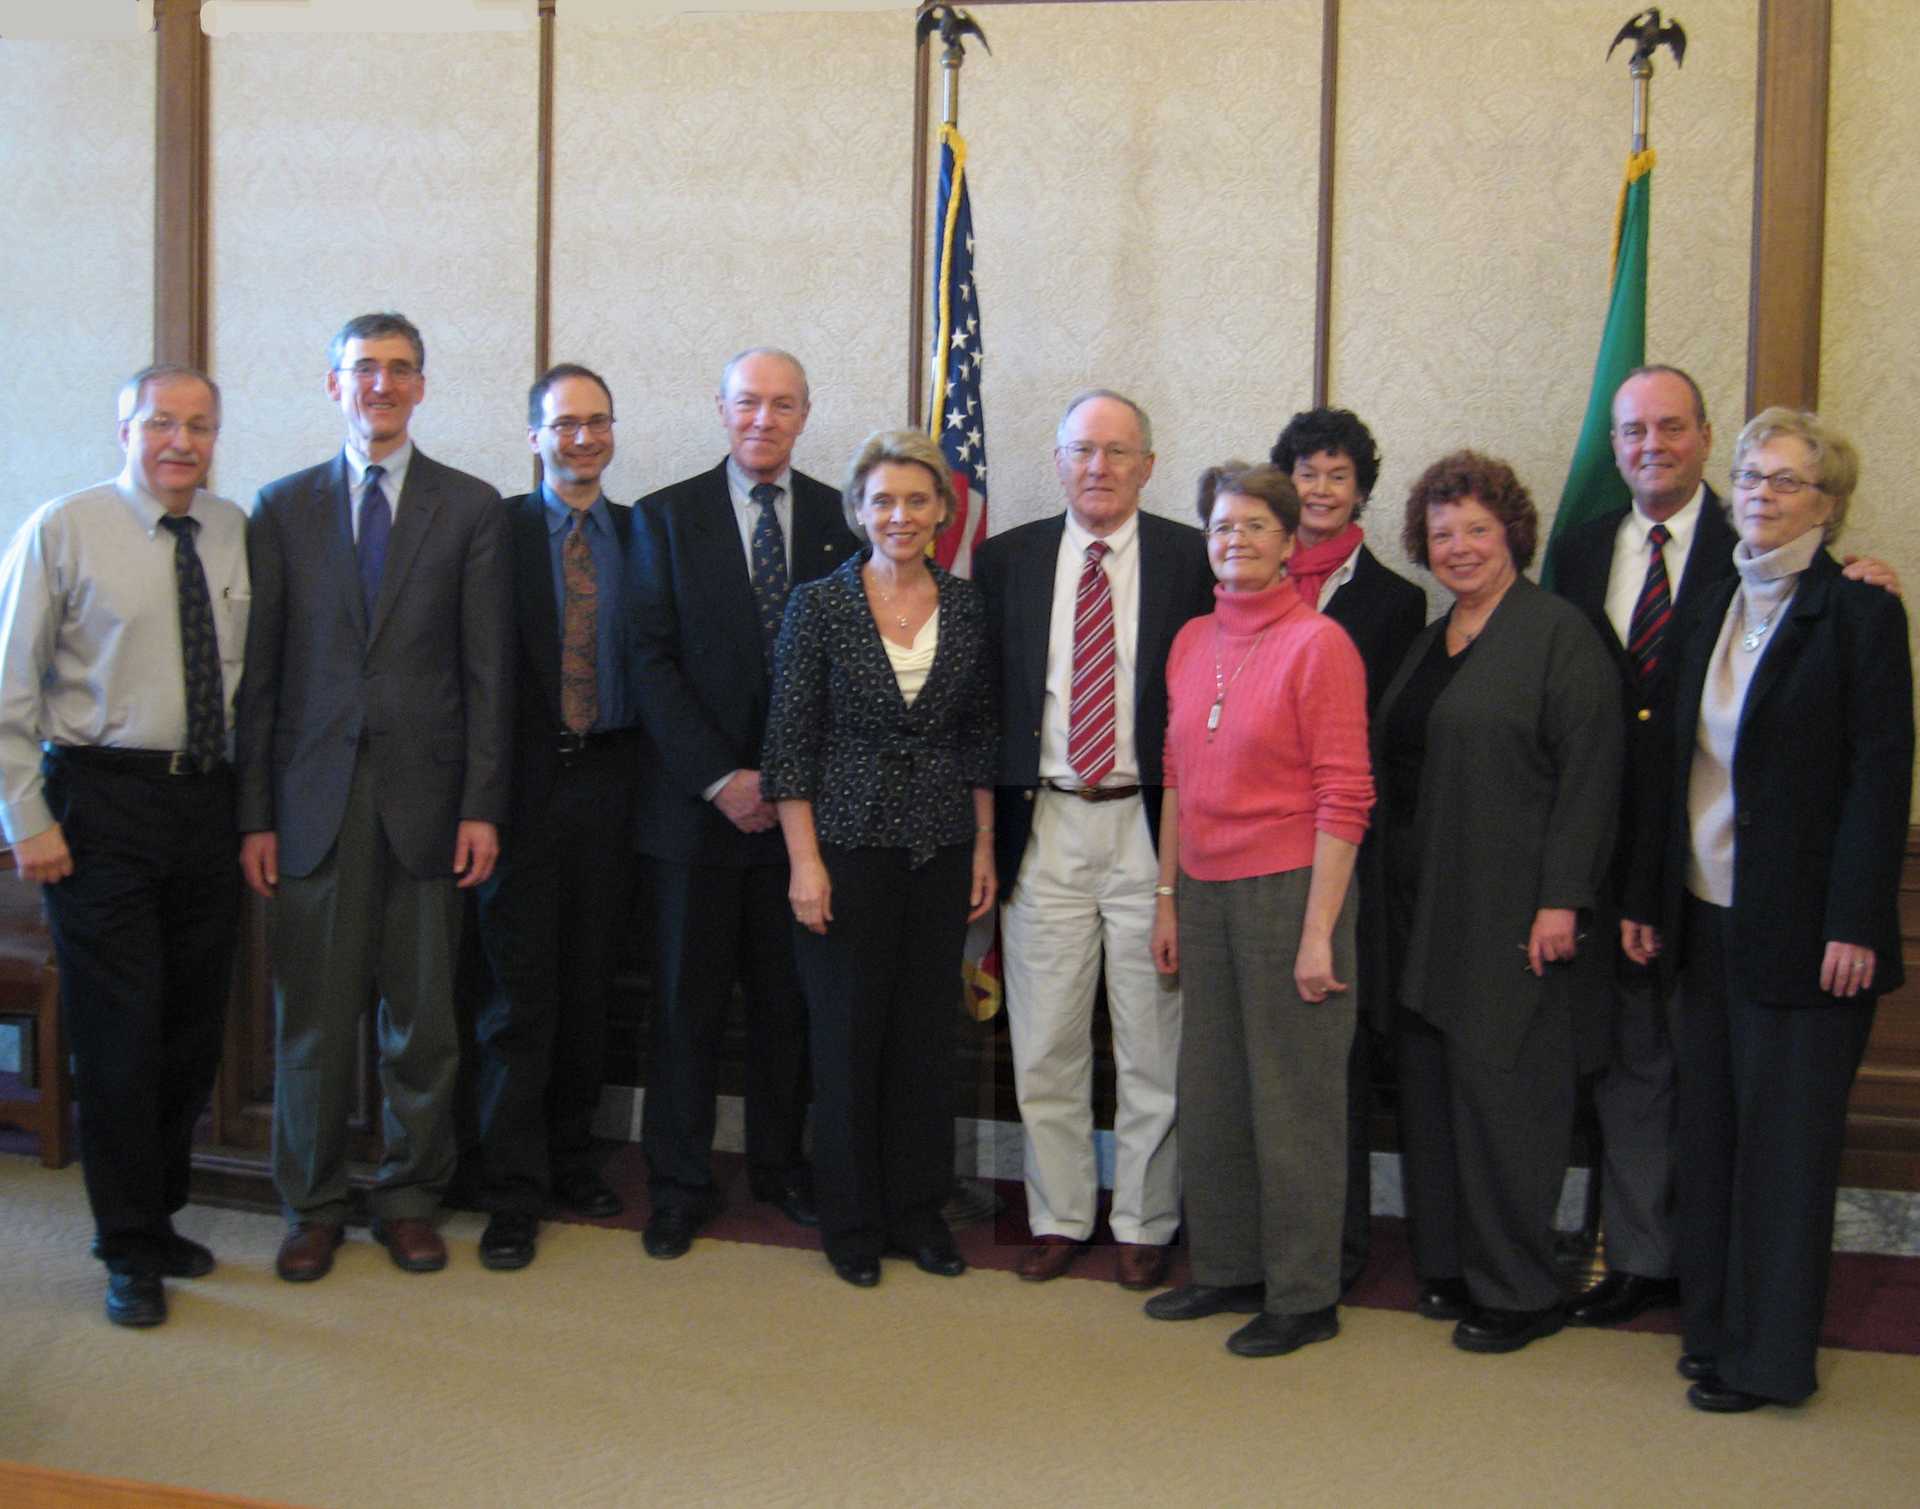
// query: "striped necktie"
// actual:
[[1090, 748], [1647, 629]]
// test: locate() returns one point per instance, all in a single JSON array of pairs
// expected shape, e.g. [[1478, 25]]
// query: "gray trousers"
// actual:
[[362, 932], [1634, 1101], [1263, 1091]]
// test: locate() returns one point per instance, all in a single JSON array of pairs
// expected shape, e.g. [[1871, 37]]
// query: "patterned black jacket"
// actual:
[[880, 774]]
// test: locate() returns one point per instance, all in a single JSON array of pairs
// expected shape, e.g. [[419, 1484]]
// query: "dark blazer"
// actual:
[[1519, 794], [701, 666], [1381, 612], [1822, 776], [423, 691], [880, 774], [1582, 562], [537, 723], [1016, 572]]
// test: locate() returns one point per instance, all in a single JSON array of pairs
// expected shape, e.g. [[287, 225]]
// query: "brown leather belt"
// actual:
[[1094, 793]]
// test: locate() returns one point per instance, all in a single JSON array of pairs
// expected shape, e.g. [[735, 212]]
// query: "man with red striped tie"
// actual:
[[1637, 572], [1084, 606]]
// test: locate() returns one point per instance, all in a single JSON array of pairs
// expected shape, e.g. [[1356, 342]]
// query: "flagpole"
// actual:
[[1594, 486], [917, 258]]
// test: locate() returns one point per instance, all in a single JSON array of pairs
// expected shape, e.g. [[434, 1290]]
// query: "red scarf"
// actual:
[[1311, 565]]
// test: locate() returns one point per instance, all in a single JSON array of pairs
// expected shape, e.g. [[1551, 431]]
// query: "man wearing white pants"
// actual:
[[1084, 607]]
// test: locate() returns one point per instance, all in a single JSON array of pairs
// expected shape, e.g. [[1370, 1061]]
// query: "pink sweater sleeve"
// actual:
[[1333, 716]]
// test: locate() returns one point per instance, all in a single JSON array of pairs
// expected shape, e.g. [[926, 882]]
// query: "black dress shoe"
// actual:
[[1717, 1397], [509, 1241], [671, 1228], [584, 1191], [792, 1194], [179, 1257], [861, 1272], [1693, 1366], [1490, 1330], [1444, 1299], [941, 1259], [1268, 1335], [1198, 1301], [1619, 1297], [135, 1299]]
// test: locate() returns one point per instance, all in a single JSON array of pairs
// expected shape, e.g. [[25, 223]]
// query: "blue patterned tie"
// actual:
[[199, 649], [769, 564], [376, 523]]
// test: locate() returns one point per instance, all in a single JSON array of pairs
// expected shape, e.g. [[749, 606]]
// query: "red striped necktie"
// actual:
[[1647, 629], [1090, 715]]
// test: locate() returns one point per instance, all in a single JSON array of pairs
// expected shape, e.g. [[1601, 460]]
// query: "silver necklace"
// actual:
[[886, 602], [1222, 683], [1750, 640]]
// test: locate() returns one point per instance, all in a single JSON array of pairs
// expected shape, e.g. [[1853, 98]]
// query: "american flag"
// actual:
[[955, 417]]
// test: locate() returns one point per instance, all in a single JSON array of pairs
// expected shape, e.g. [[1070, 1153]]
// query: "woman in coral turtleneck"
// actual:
[[1270, 787]]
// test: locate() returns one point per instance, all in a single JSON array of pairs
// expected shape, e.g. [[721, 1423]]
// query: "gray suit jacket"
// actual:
[[423, 691]]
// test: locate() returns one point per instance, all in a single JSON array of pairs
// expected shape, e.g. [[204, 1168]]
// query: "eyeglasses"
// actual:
[[598, 425], [1079, 452], [1247, 529], [1784, 484], [366, 371], [197, 429]]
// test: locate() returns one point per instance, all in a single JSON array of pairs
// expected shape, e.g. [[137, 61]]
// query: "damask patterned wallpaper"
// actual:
[[1478, 170], [76, 264], [1870, 320], [724, 182], [394, 172]]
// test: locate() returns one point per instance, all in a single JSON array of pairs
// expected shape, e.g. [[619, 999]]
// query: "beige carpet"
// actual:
[[750, 1375]]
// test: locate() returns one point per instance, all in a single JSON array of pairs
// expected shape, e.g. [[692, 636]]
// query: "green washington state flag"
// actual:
[[1593, 482]]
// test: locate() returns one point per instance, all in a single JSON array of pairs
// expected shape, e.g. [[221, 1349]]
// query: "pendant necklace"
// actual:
[[886, 602], [1750, 640], [1221, 683]]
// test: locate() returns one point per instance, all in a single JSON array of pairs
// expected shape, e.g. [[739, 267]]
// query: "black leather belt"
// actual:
[[1094, 793], [567, 743], [168, 762]]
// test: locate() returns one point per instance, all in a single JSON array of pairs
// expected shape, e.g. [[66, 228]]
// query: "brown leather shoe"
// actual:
[[1049, 1257], [413, 1244], [1142, 1265], [306, 1253]]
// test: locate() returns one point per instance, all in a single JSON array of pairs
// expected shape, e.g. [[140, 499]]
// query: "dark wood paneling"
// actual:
[[1323, 234], [180, 187], [1789, 204]]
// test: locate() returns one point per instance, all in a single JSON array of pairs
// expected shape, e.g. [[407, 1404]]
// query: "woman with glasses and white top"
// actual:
[[1773, 872]]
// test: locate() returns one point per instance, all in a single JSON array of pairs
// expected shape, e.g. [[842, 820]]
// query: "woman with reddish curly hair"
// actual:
[[1497, 752]]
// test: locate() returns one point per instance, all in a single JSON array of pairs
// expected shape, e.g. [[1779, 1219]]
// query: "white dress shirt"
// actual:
[[1122, 565], [746, 512], [90, 632], [1631, 551]]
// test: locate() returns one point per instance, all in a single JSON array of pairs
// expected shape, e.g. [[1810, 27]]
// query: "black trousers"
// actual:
[[884, 986], [1763, 1120], [144, 932], [715, 925], [552, 920]]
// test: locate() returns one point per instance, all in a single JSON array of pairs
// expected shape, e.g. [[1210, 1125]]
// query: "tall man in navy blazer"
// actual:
[[373, 739], [1607, 567], [555, 911], [714, 557], [1075, 833]]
